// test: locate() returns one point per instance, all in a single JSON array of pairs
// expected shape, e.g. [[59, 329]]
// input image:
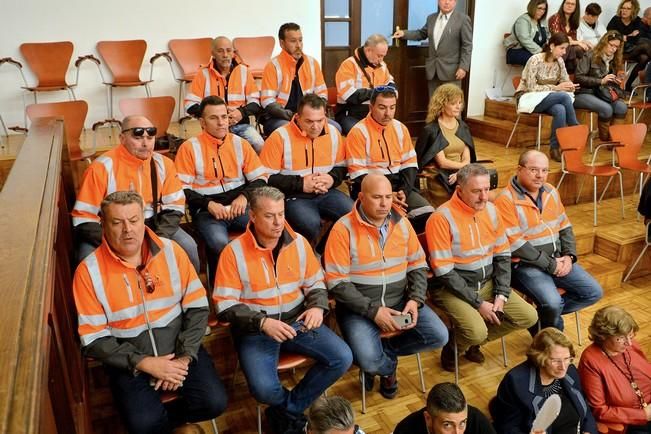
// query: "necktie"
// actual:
[[441, 21]]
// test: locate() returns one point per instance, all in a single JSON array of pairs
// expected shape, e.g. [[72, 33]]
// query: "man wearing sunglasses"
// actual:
[[143, 314], [224, 77], [133, 166]]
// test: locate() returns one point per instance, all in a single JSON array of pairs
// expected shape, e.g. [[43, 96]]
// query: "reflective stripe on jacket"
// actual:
[[278, 76]]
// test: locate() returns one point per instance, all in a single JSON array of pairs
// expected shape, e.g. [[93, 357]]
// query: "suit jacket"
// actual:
[[455, 46]]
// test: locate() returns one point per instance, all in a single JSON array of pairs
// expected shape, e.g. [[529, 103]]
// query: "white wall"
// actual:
[[84, 22], [493, 18]]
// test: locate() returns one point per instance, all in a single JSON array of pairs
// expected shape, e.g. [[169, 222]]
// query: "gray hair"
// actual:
[[470, 171], [330, 413], [121, 198], [375, 39], [264, 192]]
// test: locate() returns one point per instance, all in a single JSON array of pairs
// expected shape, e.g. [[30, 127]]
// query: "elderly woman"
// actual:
[[615, 372], [600, 68], [546, 88], [567, 20], [528, 35], [524, 389]]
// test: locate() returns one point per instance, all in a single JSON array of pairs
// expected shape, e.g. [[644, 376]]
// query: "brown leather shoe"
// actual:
[[191, 428], [555, 154], [447, 357], [475, 355]]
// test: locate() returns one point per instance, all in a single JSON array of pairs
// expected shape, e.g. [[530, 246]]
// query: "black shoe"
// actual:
[[369, 380], [389, 386], [555, 154], [475, 355], [447, 357], [277, 420], [297, 424]]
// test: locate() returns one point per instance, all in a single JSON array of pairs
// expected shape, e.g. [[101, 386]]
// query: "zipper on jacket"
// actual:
[[280, 296], [481, 246]]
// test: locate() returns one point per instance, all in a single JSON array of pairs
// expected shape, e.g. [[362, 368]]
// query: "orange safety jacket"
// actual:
[[241, 86], [467, 248], [113, 301], [217, 170], [536, 236], [118, 170], [371, 146], [288, 155], [251, 284], [278, 76], [364, 274], [350, 78]]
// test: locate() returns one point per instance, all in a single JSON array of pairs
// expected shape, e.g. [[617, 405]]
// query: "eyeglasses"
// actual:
[[383, 89], [140, 131], [537, 170], [614, 46], [562, 362], [625, 339]]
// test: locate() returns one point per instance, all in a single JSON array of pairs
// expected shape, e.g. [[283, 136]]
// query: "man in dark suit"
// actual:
[[450, 44]]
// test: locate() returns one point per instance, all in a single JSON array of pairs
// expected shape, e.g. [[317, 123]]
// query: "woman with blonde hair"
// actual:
[[615, 372], [547, 371]]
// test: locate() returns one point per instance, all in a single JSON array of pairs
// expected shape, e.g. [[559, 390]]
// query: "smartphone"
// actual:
[[299, 326], [402, 320]]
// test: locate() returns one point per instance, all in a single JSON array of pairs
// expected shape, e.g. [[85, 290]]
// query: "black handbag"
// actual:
[[609, 93]]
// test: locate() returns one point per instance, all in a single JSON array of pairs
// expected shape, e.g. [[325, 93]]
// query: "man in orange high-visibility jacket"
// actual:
[[381, 143], [218, 171], [470, 256], [543, 247], [142, 313], [269, 287], [131, 166], [306, 160], [288, 77], [356, 78], [376, 269], [232, 82]]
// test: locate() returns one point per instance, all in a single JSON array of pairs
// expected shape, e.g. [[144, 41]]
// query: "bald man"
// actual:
[[376, 269], [131, 166], [542, 243]]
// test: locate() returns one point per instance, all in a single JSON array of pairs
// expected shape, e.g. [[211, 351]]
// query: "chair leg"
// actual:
[[560, 180], [621, 192], [259, 419], [456, 363], [635, 263], [578, 327], [504, 355], [578, 194], [180, 100], [539, 132], [603, 193], [213, 422], [591, 130], [515, 125], [362, 377], [594, 200], [147, 90], [420, 373]]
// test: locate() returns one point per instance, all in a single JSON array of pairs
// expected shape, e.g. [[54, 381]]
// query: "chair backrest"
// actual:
[[74, 116], [190, 54], [572, 141], [158, 109], [255, 52], [632, 137], [123, 59], [48, 60], [516, 81]]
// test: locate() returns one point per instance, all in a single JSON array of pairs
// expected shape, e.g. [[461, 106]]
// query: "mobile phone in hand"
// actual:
[[402, 321]]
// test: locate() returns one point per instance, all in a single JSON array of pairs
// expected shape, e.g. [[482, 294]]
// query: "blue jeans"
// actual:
[[304, 215], [347, 123], [215, 234], [581, 290], [258, 356], [250, 134], [559, 106], [604, 110], [203, 393], [517, 56], [380, 356]]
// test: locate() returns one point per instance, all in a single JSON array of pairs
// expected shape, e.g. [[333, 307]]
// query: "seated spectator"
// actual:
[[446, 140], [131, 166], [615, 373], [446, 412], [224, 77], [270, 288], [645, 24], [470, 256], [160, 350], [636, 48], [546, 88], [376, 269], [356, 78], [590, 29], [547, 371], [528, 35], [567, 20], [380, 142], [601, 67], [288, 77], [218, 170], [306, 160], [543, 246], [331, 415]]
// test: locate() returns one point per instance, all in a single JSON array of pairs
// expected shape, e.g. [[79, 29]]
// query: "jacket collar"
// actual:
[[459, 204], [213, 141], [288, 236], [125, 156], [296, 130], [152, 243], [372, 123], [361, 55], [288, 58], [393, 217]]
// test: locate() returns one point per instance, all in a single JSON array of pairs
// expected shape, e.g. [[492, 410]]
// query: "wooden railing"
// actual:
[[42, 380]]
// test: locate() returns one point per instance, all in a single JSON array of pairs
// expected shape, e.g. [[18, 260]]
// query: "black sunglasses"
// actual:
[[140, 131]]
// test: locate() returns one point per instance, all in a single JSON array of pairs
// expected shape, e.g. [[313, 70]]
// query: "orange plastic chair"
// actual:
[[572, 141], [516, 82], [49, 61], [74, 116], [610, 428], [255, 52], [124, 60], [158, 109], [189, 55], [632, 138], [640, 105]]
